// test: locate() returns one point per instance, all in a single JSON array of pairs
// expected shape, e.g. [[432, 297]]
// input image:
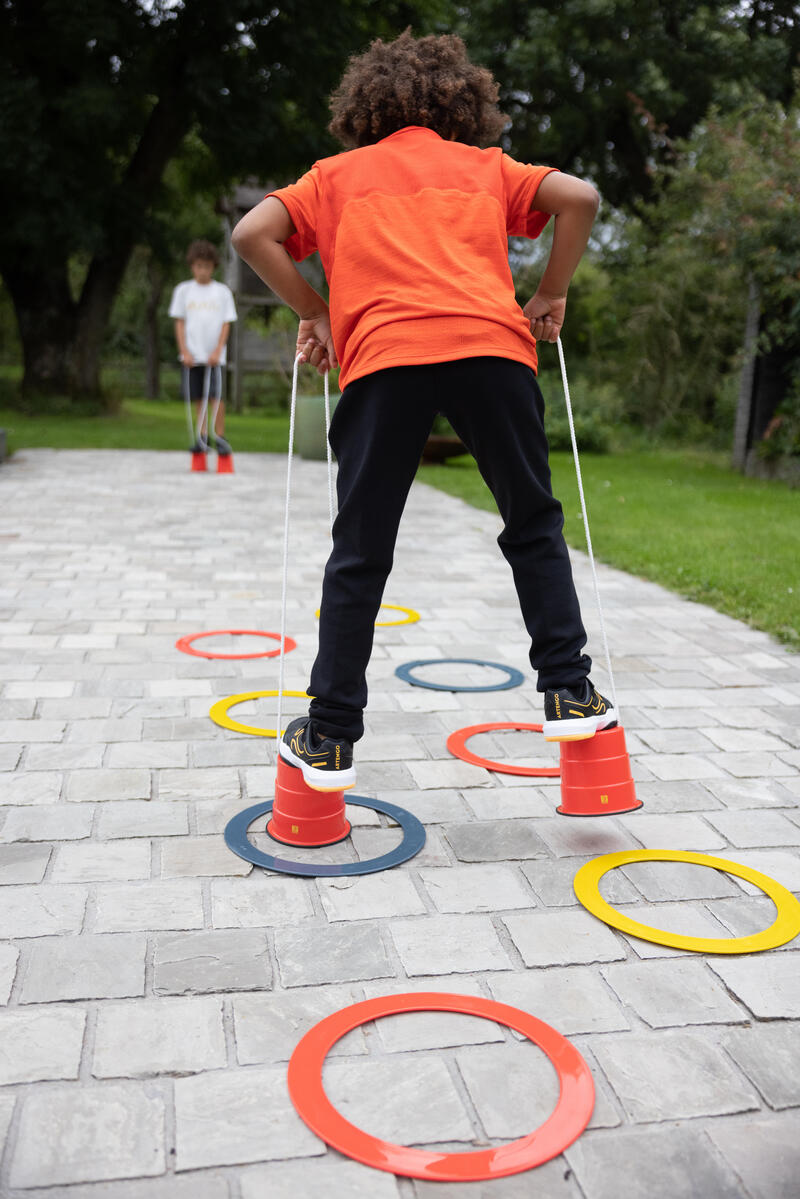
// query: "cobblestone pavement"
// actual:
[[155, 985]]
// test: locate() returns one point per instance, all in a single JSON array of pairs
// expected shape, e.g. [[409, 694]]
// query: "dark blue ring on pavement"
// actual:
[[515, 677], [236, 838]]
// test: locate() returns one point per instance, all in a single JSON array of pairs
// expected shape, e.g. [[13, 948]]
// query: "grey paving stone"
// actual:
[[496, 840], [386, 894], [660, 882], [23, 863], [561, 938], [89, 1134], [552, 883], [41, 911], [757, 828], [188, 857], [260, 900], [431, 1029], [420, 1104], [374, 842], [768, 1054], [689, 919], [552, 1182], [35, 788], [768, 984], [232, 1116], [208, 783], [207, 1185], [89, 967], [686, 796], [158, 1036], [142, 818], [54, 822], [431, 807], [97, 786], [36, 1045], [677, 1162], [451, 944], [269, 1027], [480, 888], [311, 956], [766, 1156], [572, 999], [91, 861], [668, 994], [505, 803], [781, 865], [686, 1076], [9, 957], [148, 907], [209, 961], [683, 831], [587, 837], [330, 1175]]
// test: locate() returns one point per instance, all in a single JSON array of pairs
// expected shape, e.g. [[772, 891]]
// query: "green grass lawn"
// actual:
[[680, 518]]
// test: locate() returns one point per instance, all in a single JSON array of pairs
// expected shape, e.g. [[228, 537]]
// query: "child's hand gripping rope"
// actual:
[[315, 342]]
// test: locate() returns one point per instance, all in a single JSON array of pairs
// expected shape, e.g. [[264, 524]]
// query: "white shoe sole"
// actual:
[[320, 780], [580, 729]]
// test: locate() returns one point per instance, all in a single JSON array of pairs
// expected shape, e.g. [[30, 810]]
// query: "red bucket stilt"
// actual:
[[596, 776], [303, 816], [224, 464], [198, 460]]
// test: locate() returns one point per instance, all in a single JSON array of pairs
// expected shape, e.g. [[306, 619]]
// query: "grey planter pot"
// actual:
[[309, 426]]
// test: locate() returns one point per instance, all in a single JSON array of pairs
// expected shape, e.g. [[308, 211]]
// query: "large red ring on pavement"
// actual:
[[456, 743], [185, 646], [567, 1121]]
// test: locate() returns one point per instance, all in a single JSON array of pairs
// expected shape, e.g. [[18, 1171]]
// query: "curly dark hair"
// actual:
[[426, 81], [204, 250]]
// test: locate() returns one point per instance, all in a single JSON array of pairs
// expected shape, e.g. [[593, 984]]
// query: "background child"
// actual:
[[412, 227], [203, 310]]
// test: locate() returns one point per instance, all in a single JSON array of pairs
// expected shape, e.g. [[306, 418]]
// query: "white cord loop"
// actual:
[[196, 435], [285, 572], [586, 521]]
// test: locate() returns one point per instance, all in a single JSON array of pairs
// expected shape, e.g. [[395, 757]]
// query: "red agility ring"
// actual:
[[562, 1127], [185, 644], [456, 743]]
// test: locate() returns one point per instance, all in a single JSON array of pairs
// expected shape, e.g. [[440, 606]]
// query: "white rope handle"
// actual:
[[586, 520], [285, 571]]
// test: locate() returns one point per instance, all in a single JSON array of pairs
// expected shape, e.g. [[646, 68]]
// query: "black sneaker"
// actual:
[[222, 446], [576, 715], [326, 762], [198, 448]]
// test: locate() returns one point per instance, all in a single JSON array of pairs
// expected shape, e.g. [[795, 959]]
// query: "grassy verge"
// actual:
[[138, 425], [680, 519]]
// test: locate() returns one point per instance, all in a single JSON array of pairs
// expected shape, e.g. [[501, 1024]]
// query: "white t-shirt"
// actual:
[[205, 307]]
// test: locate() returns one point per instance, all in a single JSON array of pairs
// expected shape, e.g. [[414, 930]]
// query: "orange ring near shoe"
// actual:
[[184, 644], [785, 927], [456, 743], [219, 712], [411, 616], [564, 1125]]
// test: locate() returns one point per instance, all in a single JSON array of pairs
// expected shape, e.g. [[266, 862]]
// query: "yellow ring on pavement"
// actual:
[[219, 711], [785, 927], [411, 616]]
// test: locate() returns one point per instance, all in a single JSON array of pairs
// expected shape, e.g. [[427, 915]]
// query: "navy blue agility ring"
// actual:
[[515, 677], [236, 838]]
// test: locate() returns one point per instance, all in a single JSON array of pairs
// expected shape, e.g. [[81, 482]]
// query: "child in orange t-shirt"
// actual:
[[412, 227]]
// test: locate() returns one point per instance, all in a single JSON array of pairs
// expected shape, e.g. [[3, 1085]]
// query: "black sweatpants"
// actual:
[[378, 432]]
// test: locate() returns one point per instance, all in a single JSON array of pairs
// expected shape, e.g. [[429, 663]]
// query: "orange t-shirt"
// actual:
[[413, 235]]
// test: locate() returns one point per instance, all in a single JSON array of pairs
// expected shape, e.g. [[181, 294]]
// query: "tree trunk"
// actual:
[[47, 319], [744, 407], [152, 354]]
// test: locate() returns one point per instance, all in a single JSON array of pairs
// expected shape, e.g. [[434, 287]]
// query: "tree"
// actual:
[[605, 87], [96, 99]]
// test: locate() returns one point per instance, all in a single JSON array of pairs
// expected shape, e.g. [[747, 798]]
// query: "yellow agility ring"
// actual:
[[219, 711], [411, 616], [786, 926]]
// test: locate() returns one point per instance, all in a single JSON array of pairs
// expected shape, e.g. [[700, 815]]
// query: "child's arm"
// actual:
[[180, 337], [214, 357], [258, 239], [574, 205]]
